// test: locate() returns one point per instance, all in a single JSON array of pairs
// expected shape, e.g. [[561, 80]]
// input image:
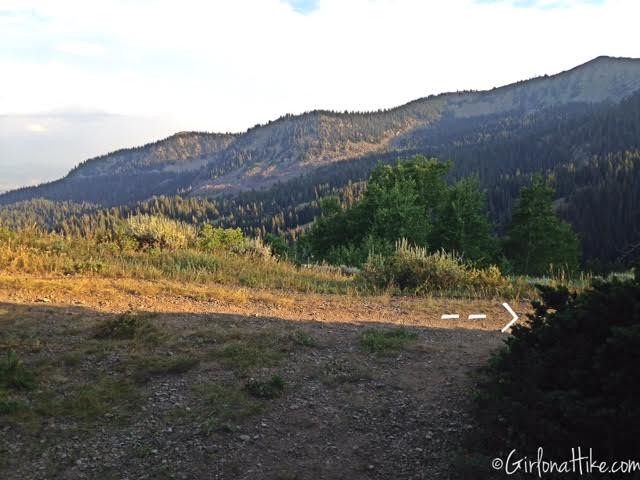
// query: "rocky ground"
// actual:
[[236, 385]]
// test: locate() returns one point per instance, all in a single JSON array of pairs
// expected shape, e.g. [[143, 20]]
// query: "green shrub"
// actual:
[[213, 239], [269, 389], [303, 339], [13, 373], [87, 266], [568, 377], [9, 406], [217, 238], [151, 231], [278, 245], [415, 270], [128, 326]]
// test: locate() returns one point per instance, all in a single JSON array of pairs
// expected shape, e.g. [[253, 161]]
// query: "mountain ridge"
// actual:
[[211, 164]]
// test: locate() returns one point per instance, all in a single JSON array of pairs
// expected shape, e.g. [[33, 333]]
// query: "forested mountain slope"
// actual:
[[214, 164], [582, 127]]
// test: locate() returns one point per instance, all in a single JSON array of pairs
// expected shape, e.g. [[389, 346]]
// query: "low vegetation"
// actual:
[[129, 326], [117, 397], [249, 350], [14, 374], [269, 389], [414, 270], [338, 372], [387, 340], [227, 404], [411, 232], [122, 357], [567, 378], [148, 367], [159, 232], [250, 264]]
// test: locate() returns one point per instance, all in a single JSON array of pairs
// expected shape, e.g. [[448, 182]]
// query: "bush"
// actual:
[[217, 238], [232, 239], [269, 389], [85, 266], [129, 326], [278, 245], [569, 377], [151, 231], [255, 248], [414, 270]]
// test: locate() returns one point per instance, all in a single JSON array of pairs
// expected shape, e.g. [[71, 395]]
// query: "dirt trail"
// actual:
[[345, 413]]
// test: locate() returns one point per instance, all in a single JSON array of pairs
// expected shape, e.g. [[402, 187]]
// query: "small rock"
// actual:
[[245, 438]]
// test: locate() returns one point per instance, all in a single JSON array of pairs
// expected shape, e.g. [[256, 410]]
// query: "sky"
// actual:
[[81, 78]]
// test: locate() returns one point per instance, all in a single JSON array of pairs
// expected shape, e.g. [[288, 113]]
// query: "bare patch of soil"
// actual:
[[170, 397]]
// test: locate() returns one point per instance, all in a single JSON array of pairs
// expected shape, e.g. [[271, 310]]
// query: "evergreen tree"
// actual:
[[537, 240]]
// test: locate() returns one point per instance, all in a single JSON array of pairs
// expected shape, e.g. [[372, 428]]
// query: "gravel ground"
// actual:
[[344, 413]]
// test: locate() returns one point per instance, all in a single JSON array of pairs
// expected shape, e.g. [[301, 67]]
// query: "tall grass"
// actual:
[[410, 269], [38, 253], [413, 269]]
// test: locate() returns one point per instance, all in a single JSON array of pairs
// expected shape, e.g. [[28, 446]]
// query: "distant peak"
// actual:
[[607, 58]]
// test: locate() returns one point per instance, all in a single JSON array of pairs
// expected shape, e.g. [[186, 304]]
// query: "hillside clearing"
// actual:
[[251, 384]]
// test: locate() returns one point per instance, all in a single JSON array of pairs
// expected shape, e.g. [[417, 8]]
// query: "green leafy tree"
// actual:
[[399, 202], [412, 201], [396, 212], [337, 236], [278, 245], [537, 240], [463, 225]]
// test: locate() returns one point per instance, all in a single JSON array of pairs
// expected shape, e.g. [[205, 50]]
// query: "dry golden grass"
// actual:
[[122, 294], [36, 253]]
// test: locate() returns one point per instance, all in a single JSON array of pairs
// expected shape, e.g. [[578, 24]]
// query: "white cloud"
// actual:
[[35, 127], [82, 49]]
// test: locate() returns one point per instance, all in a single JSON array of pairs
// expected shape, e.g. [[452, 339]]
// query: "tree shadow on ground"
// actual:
[[192, 395]]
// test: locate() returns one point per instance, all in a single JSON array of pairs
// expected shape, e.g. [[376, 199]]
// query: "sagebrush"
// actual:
[[415, 270]]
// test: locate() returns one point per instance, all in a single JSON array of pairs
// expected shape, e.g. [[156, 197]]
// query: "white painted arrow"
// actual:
[[513, 314]]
